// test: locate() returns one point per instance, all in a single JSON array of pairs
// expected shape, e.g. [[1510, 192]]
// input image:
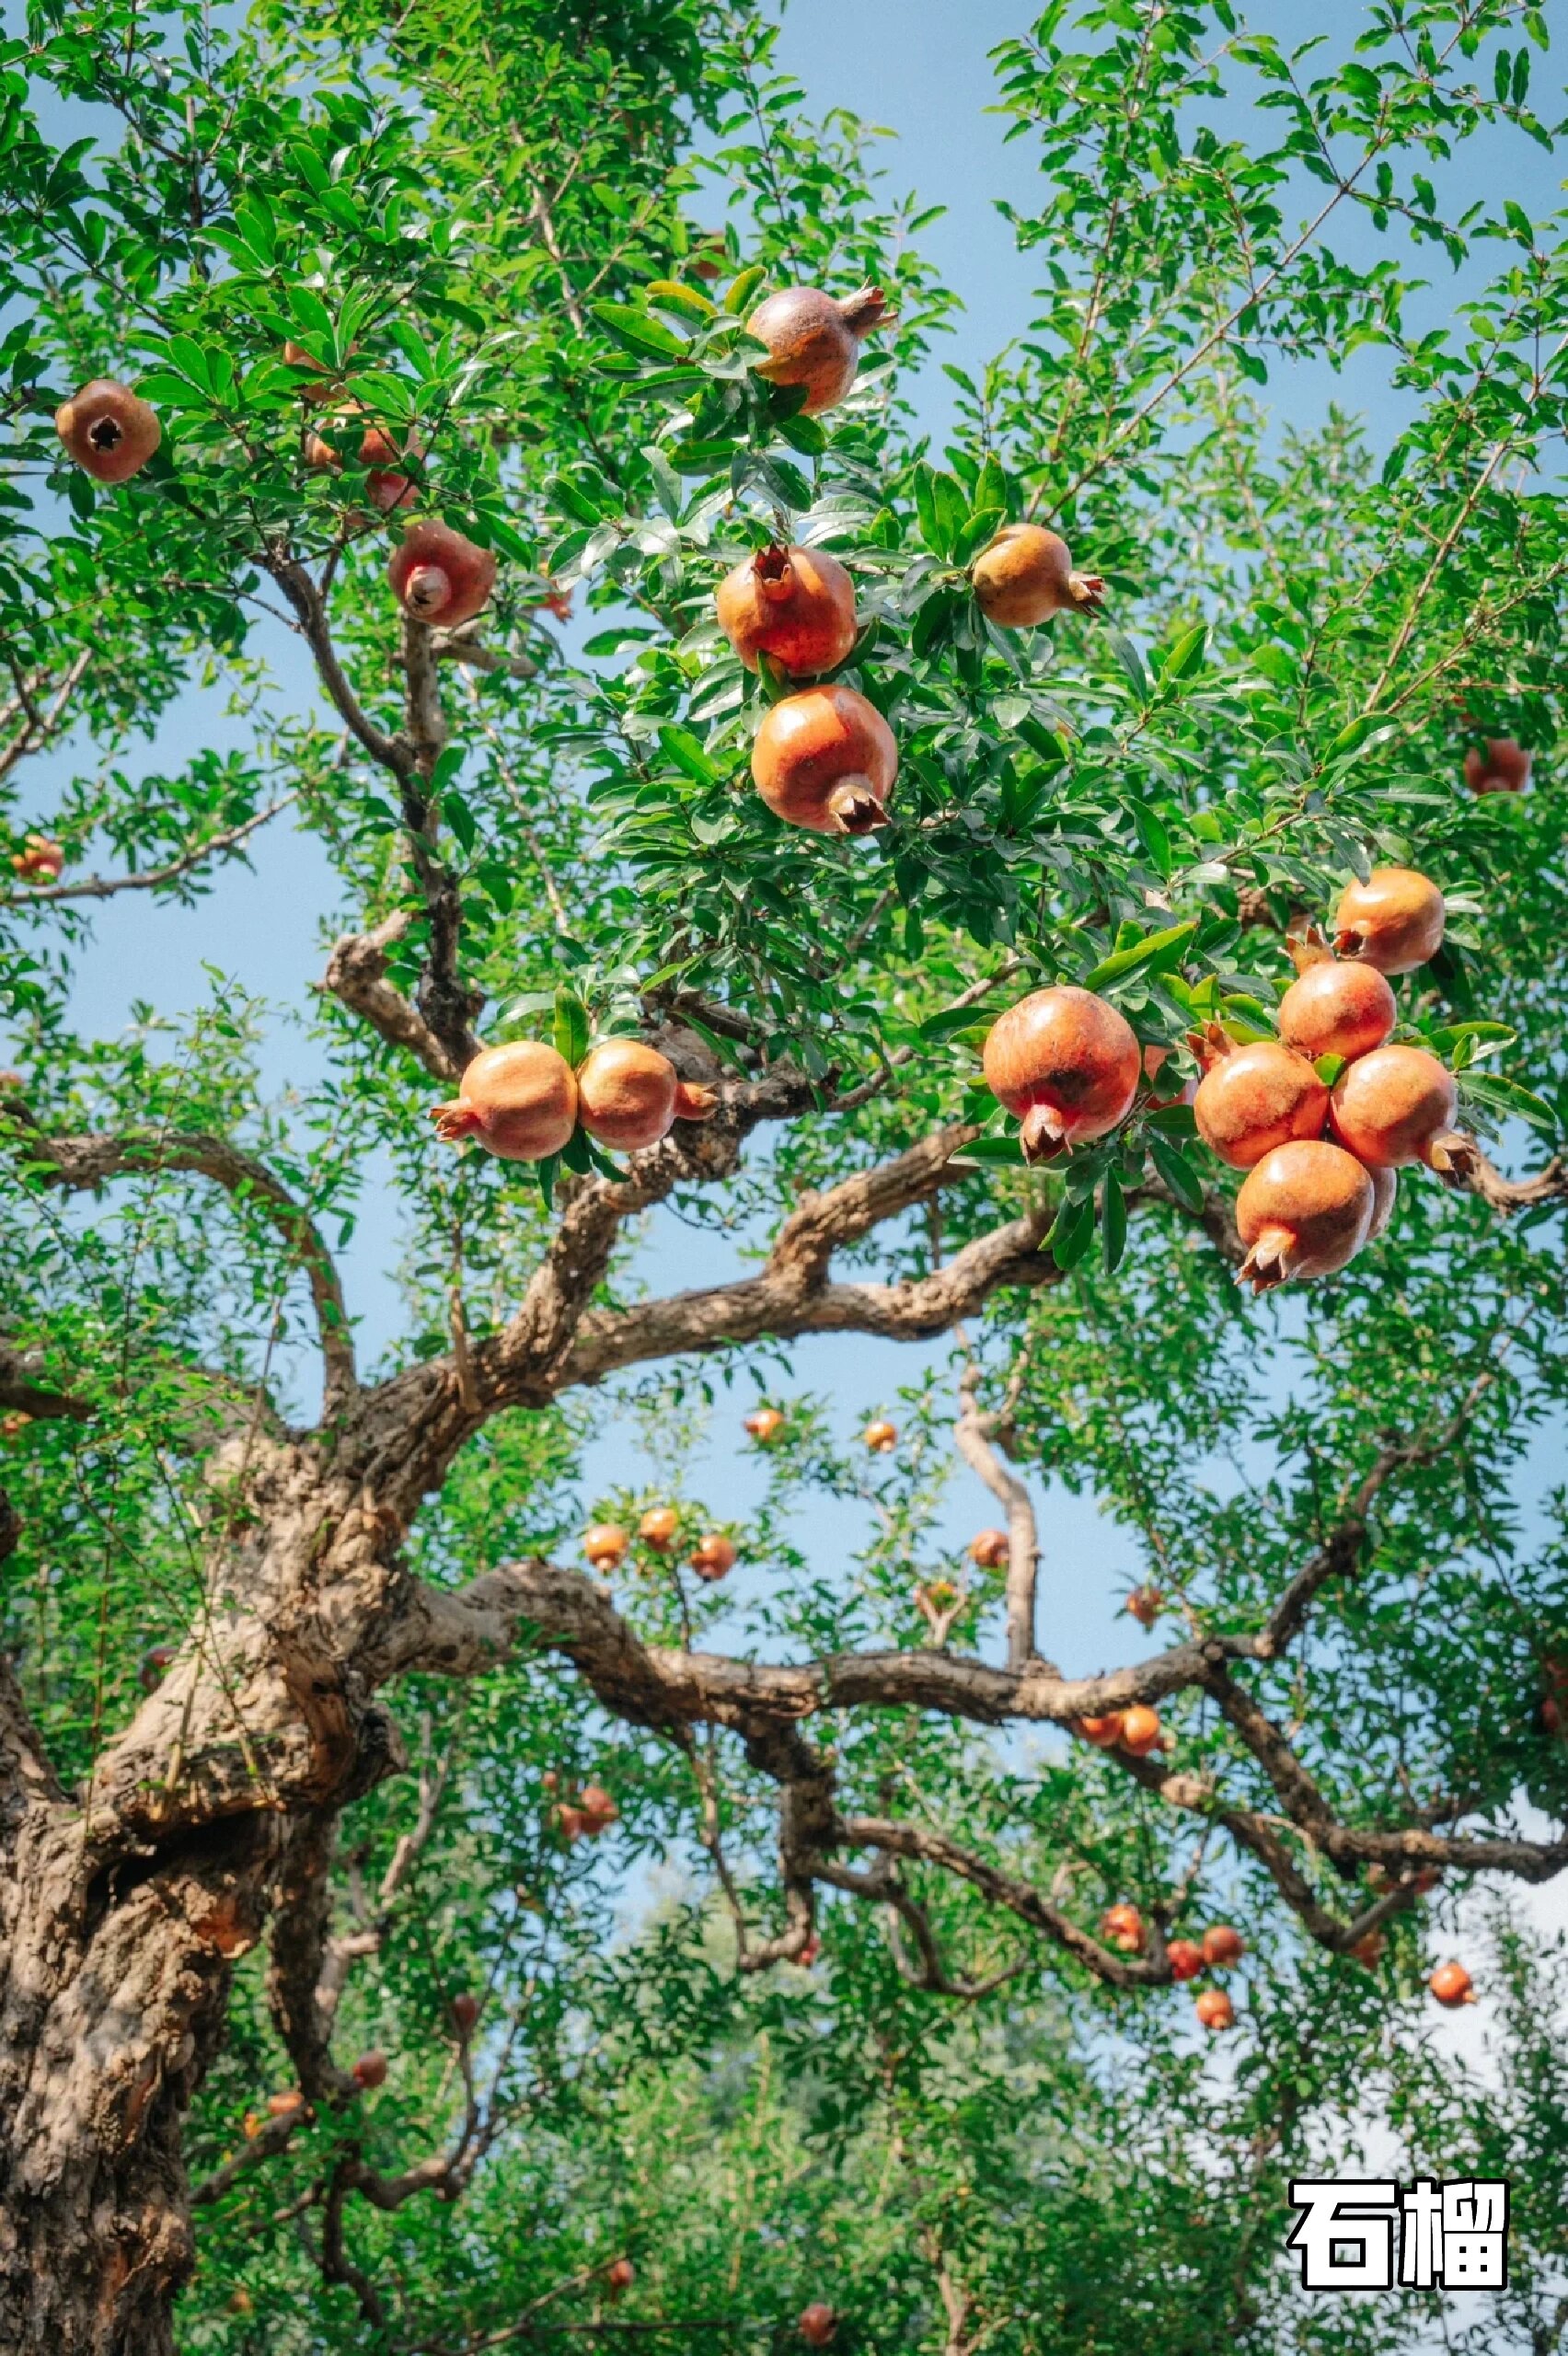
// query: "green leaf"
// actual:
[[1172, 1165], [743, 288], [1188, 653], [1157, 951], [572, 1030], [989, 1153], [1506, 1096], [672, 296], [679, 745], [1113, 1223], [1072, 1232], [637, 333], [802, 434], [547, 1173]]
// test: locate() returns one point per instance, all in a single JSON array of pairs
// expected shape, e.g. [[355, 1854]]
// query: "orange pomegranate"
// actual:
[[713, 1557], [626, 1095], [1304, 1212], [763, 1424], [1223, 1946], [990, 1549], [519, 1102], [1452, 1986], [880, 1435], [659, 1528], [1185, 1958], [605, 1545], [813, 339], [1025, 575], [1066, 1064], [1105, 1733], [619, 2277], [439, 577], [1124, 1927], [817, 2324], [1394, 921], [1254, 1098], [1214, 2009], [108, 430], [1141, 1730], [695, 1101], [1145, 1605], [40, 860], [599, 1810], [797, 604], [1334, 1007], [1503, 767], [1396, 1106], [826, 759], [286, 2106]]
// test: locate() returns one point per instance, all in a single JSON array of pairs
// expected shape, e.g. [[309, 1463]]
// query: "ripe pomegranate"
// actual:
[[1145, 1605], [1394, 921], [765, 1423], [626, 1095], [1141, 1732], [880, 1435], [817, 2324], [387, 486], [813, 339], [713, 1557], [1425, 1878], [1385, 1194], [108, 431], [573, 1824], [1396, 1106], [1503, 768], [1451, 1984], [1124, 1927], [154, 1661], [619, 2277], [1104, 1733], [38, 860], [1185, 1958], [520, 1101], [990, 1549], [797, 604], [599, 1810], [1303, 1212], [826, 759], [1370, 1950], [286, 2106], [658, 1528], [1254, 1098], [1025, 575], [1066, 1064], [1223, 1946], [465, 2014], [605, 1545], [438, 576], [370, 2070], [1333, 1008], [1214, 2009]]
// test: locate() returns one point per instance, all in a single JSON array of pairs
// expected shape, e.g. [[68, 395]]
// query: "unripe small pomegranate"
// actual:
[[765, 1423], [1105, 1733], [606, 1543], [1385, 1194], [1254, 1098], [1124, 1928], [1503, 768], [465, 2014], [1396, 1106], [713, 1557], [154, 1661], [599, 1809], [626, 1095], [990, 1549], [1223, 1946], [695, 1101], [1369, 1950], [619, 2277], [1214, 2009], [1141, 1730], [1303, 1212], [1066, 1064], [108, 430], [797, 604], [519, 1102], [1452, 1986], [813, 339], [817, 2324], [1334, 1007], [880, 1435], [38, 860], [1145, 1605], [1025, 575], [826, 759], [438, 576], [1394, 921], [370, 2070], [286, 2105], [659, 1527], [1185, 1958]]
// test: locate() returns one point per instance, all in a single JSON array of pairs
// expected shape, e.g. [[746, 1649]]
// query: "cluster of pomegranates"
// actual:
[[1136, 1731], [608, 1544], [523, 1101], [584, 1818], [40, 860], [1219, 1949]]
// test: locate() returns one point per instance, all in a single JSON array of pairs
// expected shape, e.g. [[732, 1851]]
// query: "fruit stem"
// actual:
[[866, 310], [855, 808], [1087, 591], [454, 1122]]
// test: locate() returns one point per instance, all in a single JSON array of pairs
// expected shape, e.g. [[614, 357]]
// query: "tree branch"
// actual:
[[105, 887]]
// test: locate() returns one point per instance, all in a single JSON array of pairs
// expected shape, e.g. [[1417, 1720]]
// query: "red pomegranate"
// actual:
[[1185, 1958], [1452, 1986], [1141, 1732], [813, 339], [439, 577], [606, 1543], [156, 1661], [108, 430], [1145, 1605], [1394, 921], [599, 1810], [990, 1549], [619, 2277], [1369, 1950], [1304, 1212], [1214, 2009], [1105, 1733], [1066, 1064], [1124, 1928], [797, 604], [465, 2014], [659, 1528], [1025, 575], [713, 1557], [626, 1095], [1334, 1007], [519, 1102], [1503, 767], [1223, 1946], [1396, 1106], [1254, 1098], [370, 2070], [817, 2324], [826, 759]]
